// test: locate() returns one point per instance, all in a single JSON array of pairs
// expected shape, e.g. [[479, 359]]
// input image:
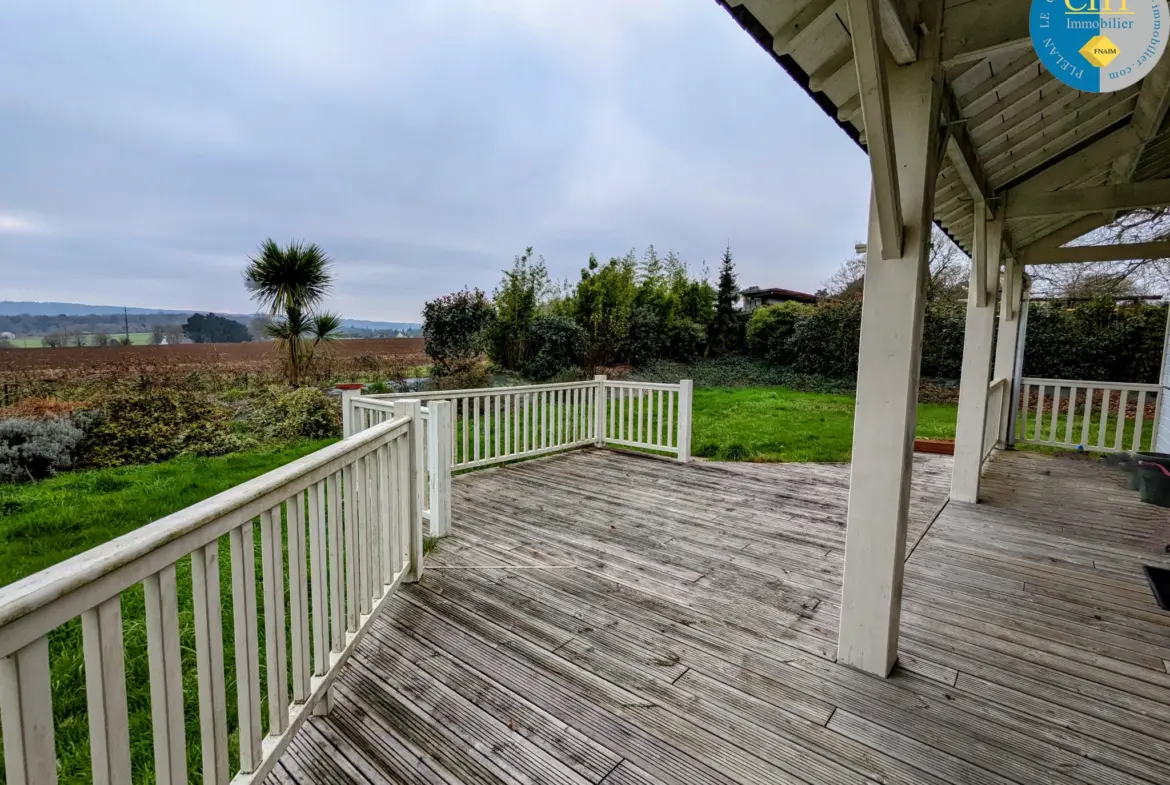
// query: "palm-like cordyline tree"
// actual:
[[290, 283]]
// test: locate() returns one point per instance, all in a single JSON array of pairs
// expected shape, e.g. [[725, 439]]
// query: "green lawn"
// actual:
[[776, 424], [43, 524]]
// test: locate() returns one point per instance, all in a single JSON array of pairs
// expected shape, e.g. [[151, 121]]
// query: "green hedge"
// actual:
[[1095, 341]]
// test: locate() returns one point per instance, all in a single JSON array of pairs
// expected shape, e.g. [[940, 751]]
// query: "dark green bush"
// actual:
[[304, 413], [455, 327], [32, 450], [559, 343], [827, 342], [686, 339], [1097, 340], [647, 339], [770, 329], [943, 326], [151, 425]]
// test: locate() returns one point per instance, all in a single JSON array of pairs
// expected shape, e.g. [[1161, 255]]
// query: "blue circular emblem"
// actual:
[[1099, 45]]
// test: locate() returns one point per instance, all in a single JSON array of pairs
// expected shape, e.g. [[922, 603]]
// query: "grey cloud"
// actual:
[[423, 145]]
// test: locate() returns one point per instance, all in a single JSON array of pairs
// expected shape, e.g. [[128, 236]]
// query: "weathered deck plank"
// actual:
[[602, 618]]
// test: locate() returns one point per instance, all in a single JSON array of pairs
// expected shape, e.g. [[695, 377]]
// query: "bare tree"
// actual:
[[1114, 279], [258, 327], [53, 341], [173, 333], [102, 339], [948, 272]]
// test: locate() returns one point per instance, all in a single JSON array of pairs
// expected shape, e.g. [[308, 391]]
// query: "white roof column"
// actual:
[[891, 345], [978, 340]]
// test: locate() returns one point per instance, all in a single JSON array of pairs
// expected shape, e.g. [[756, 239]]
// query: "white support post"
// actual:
[[1005, 341], [600, 409], [439, 457], [888, 368], [348, 393], [414, 486], [978, 339], [686, 392]]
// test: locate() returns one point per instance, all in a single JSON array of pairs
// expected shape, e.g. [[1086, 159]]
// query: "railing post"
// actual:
[[348, 393], [439, 438], [414, 486], [600, 410], [686, 390]]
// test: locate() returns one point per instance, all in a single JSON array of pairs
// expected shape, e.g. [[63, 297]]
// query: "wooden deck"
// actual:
[[602, 618]]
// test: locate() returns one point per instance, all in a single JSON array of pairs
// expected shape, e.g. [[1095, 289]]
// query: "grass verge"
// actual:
[[777, 424]]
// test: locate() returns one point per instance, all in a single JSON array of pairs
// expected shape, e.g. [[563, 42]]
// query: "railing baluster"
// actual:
[[361, 532], [272, 563], [298, 597], [1103, 424], [1086, 419], [1070, 415], [497, 425], [509, 424], [105, 691], [641, 438], [318, 570], [466, 456], [658, 419], [1139, 416], [209, 663], [671, 441], [336, 572], [166, 677], [393, 544], [475, 440], [243, 550], [402, 503], [621, 418], [1025, 406], [26, 695], [1119, 434], [386, 512], [1055, 413], [370, 526]]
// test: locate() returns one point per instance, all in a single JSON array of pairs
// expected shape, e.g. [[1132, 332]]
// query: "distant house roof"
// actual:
[[787, 294]]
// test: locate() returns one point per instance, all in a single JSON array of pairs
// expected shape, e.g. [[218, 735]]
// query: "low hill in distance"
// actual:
[[37, 318]]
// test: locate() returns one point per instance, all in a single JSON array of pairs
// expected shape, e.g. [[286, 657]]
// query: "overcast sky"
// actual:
[[147, 148]]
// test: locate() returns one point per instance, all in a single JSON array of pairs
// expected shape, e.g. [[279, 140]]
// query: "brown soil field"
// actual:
[[190, 354]]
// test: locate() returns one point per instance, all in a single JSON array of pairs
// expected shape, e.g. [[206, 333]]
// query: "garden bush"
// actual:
[[455, 327], [289, 415], [827, 342], [559, 343], [770, 330], [1098, 340], [151, 425], [32, 450]]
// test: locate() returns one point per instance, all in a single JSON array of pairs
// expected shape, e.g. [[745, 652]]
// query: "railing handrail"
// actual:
[[440, 394], [643, 385], [1095, 385], [230, 508]]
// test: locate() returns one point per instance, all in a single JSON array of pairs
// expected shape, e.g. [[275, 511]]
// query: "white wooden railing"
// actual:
[[364, 412], [649, 416], [1095, 416], [499, 424], [349, 519], [998, 393]]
